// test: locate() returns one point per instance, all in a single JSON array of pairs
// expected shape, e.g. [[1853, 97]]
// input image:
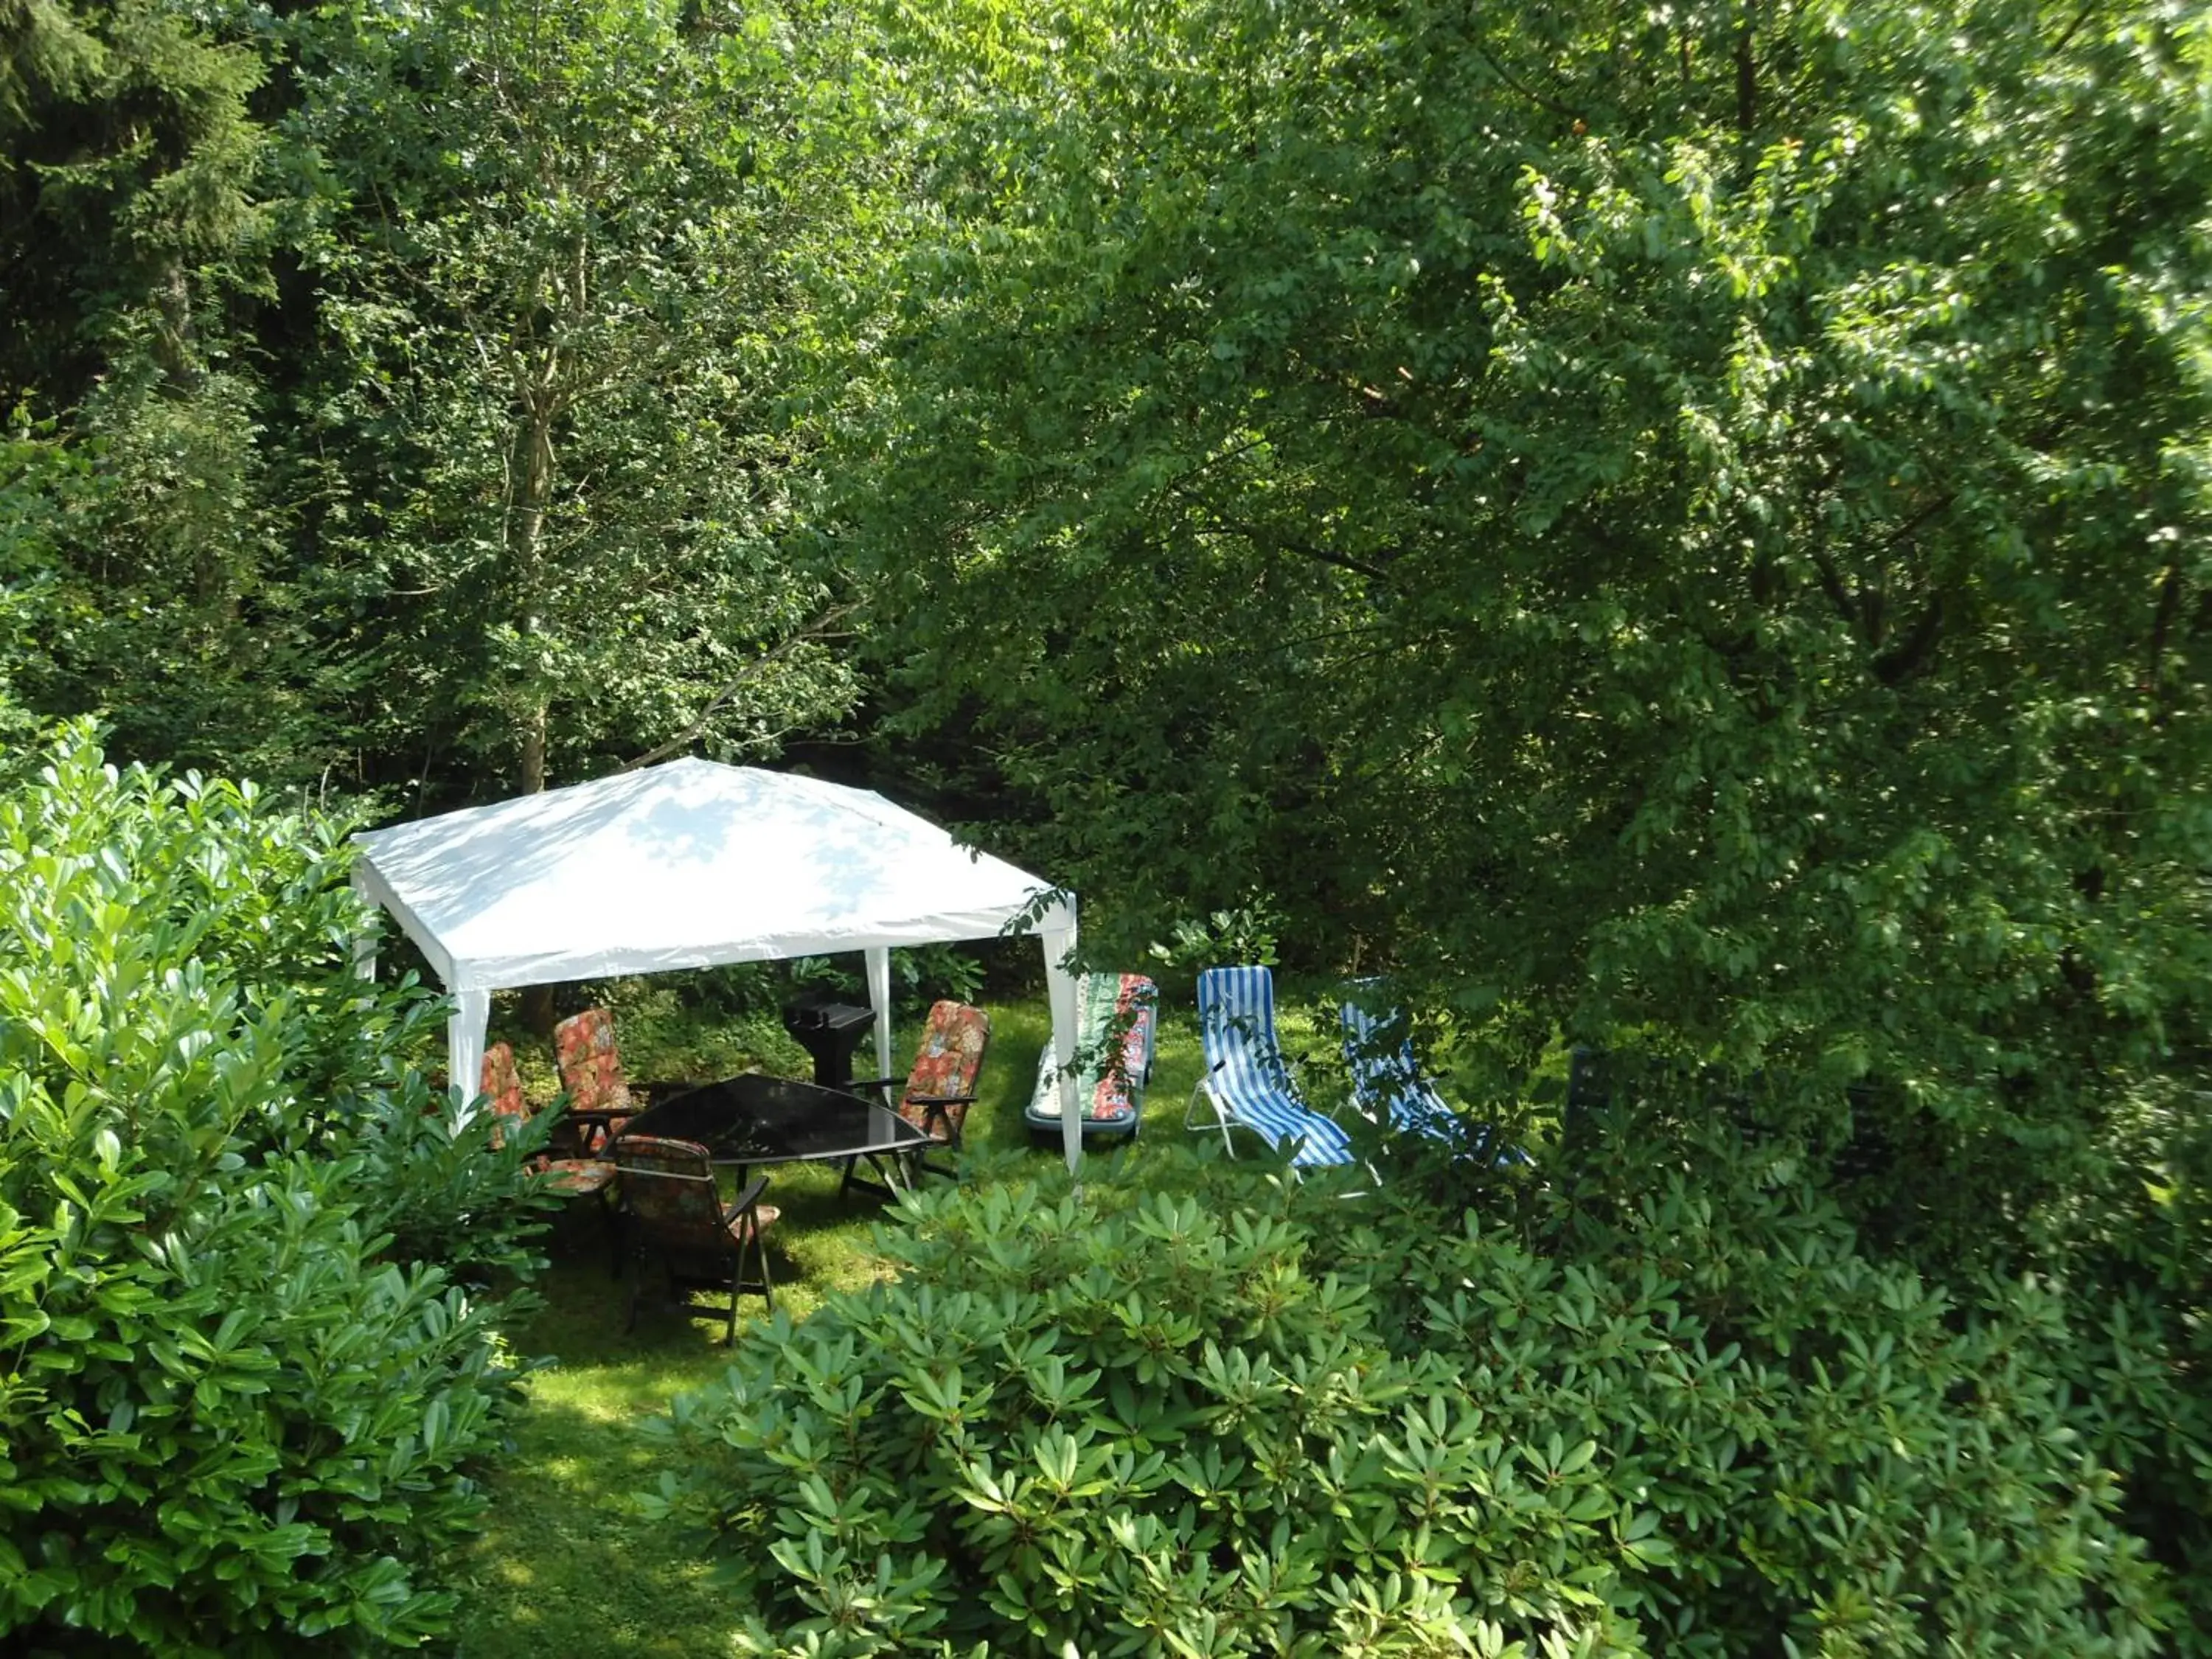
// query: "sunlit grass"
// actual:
[[565, 1566]]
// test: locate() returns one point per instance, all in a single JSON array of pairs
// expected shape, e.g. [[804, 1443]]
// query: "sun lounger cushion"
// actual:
[[1113, 1096]]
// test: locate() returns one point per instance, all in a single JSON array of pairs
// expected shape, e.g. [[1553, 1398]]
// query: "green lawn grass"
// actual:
[[564, 1565]]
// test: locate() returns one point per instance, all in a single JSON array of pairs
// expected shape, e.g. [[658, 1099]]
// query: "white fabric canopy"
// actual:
[[689, 865]]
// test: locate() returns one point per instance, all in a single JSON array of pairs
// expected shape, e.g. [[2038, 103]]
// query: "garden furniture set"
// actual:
[[656, 1149], [654, 1155]]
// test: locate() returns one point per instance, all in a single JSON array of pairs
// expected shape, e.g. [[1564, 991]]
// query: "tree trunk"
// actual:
[[536, 497], [528, 548], [533, 747], [174, 349]]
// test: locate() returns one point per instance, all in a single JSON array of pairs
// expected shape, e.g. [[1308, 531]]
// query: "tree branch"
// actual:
[[1905, 531], [1254, 534], [2073, 28], [683, 740], [1832, 584], [1747, 73], [1529, 93], [1892, 667], [2169, 607]]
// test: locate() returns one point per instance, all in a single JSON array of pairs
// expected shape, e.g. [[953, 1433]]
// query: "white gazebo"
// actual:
[[690, 865]]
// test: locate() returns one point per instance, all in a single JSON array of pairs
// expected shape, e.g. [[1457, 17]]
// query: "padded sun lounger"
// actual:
[[1113, 1096]]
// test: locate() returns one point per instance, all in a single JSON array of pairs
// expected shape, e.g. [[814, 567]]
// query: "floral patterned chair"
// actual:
[[673, 1214], [1115, 1016], [601, 1099], [941, 1087], [502, 1082]]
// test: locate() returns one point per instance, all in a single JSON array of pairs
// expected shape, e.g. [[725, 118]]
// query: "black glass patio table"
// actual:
[[753, 1119]]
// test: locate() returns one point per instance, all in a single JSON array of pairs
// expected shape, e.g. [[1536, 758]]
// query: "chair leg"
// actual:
[[1200, 1091], [1190, 1112], [766, 1285], [756, 1245], [637, 1289], [918, 1163]]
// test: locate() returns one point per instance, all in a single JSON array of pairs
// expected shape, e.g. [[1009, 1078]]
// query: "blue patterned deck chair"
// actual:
[[1387, 1082], [1387, 1079], [1246, 1082]]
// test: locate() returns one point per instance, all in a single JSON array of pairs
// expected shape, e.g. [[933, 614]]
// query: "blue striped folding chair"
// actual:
[[1388, 1081], [1246, 1083]]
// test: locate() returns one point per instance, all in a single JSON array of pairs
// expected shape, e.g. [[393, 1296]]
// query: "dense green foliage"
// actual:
[[1685, 532], [391, 392], [549, 263], [136, 524], [1681, 531], [1167, 1425], [1686, 528], [129, 187], [245, 1375]]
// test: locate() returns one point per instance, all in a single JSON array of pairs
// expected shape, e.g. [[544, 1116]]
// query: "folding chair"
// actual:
[[575, 1177], [601, 1097], [935, 1095], [1246, 1083], [673, 1214], [1388, 1085]]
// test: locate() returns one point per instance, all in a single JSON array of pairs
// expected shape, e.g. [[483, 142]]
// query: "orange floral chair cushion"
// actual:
[[592, 1071], [502, 1082], [575, 1177], [942, 1085], [669, 1188]]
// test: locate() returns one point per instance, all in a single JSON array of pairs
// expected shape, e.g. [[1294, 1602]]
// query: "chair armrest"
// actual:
[[576, 1130], [591, 1117], [746, 1199], [936, 1111], [873, 1082]]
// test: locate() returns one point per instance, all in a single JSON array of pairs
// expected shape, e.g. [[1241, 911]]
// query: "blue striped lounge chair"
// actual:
[[1246, 1084], [1388, 1081]]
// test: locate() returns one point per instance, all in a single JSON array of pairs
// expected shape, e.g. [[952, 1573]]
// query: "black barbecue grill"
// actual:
[[829, 1030]]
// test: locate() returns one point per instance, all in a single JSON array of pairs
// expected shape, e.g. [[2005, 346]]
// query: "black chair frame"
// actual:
[[686, 1270]]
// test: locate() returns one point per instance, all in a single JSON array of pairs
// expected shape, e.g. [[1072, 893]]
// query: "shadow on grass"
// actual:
[[566, 1566]]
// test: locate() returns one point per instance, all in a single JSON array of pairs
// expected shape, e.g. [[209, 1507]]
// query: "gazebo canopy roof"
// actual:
[[683, 864]]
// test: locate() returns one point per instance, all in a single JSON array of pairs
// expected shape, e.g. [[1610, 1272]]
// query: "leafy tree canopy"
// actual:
[[1687, 525], [550, 263]]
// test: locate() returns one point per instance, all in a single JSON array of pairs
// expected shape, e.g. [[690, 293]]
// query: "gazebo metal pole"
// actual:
[[465, 1046], [878, 958], [1057, 934]]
